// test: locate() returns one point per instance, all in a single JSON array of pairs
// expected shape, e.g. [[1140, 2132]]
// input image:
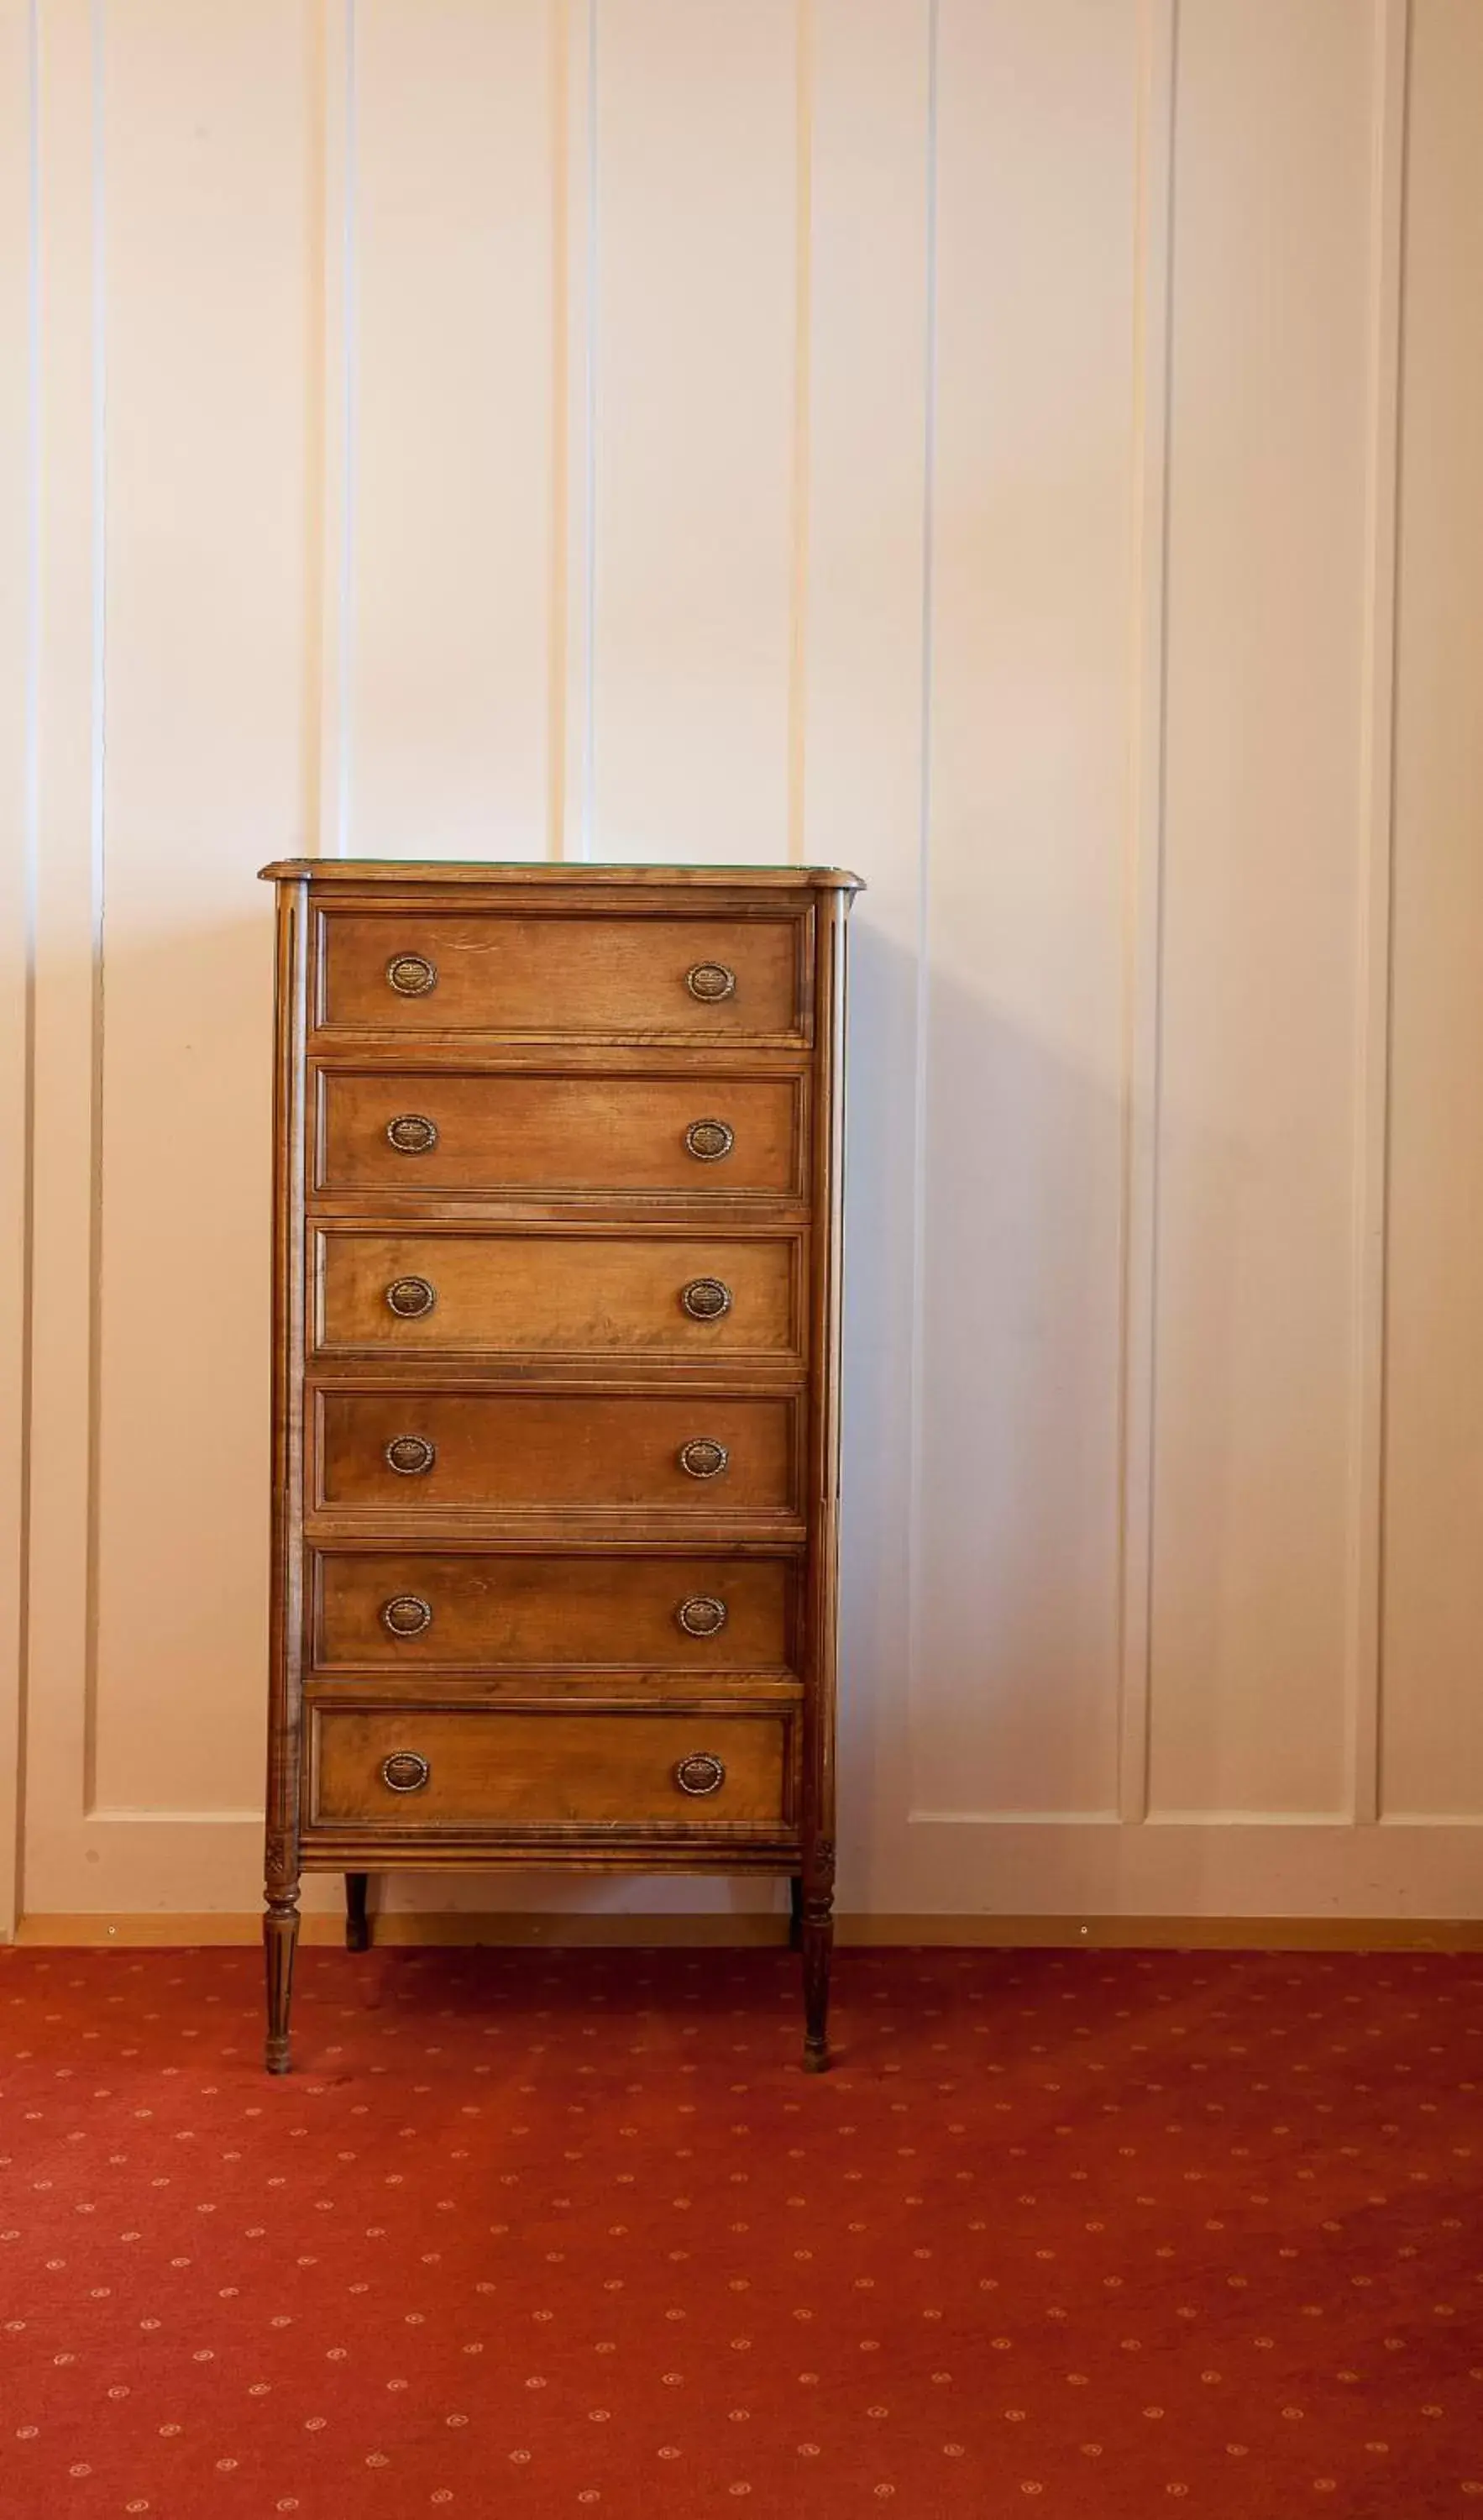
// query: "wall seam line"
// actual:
[[349, 415], [1365, 1648], [1144, 893], [921, 1010], [594, 274], [802, 445], [13, 1890], [316, 506], [558, 637], [97, 888]]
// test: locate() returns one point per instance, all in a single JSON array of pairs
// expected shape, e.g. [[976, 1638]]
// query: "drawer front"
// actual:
[[591, 977], [418, 1453], [430, 1132], [576, 1294], [503, 1611], [421, 1770]]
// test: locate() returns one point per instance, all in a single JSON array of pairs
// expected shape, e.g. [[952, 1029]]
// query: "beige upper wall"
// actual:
[[1029, 449]]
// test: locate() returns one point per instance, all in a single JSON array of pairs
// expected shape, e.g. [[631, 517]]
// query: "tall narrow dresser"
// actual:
[[556, 1381]]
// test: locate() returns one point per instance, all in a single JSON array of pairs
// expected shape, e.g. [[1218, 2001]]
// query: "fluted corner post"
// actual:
[[816, 1929], [286, 1613]]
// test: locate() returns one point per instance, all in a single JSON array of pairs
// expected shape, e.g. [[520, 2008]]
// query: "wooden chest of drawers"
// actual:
[[555, 1444]]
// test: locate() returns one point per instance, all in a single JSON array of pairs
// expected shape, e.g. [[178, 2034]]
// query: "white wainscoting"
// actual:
[[1028, 450]]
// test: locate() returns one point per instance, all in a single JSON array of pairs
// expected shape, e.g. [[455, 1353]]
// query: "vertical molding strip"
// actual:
[[1390, 77], [337, 427], [803, 291], [1144, 887], [560, 180], [917, 1397], [574, 422], [316, 424], [97, 870], [13, 1887], [59, 1681], [18, 880]]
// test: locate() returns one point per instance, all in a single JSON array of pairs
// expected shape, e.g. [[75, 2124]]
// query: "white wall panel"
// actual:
[[17, 644], [1433, 1715], [695, 325], [954, 437], [865, 797], [1265, 876], [451, 301], [1015, 1666], [68, 383], [205, 153]]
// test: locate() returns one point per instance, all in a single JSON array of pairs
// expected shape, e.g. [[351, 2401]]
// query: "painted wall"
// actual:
[[1030, 450]]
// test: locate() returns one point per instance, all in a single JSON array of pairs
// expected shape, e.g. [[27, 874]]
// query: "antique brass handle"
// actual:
[[411, 1133], [702, 1615], [711, 982], [699, 1773], [411, 975], [405, 1772], [706, 1299], [406, 1615], [702, 1458], [411, 1297], [411, 1455], [708, 1141]]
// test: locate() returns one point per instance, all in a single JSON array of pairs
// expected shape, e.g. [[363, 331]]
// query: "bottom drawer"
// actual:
[[427, 1770]]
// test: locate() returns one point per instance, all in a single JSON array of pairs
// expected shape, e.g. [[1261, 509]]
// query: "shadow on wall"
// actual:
[[986, 1438]]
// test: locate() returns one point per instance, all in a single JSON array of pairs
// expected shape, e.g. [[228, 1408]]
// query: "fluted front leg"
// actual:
[[818, 1939], [280, 1935], [817, 1955], [357, 1918]]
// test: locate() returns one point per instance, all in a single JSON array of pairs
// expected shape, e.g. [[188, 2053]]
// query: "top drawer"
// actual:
[[581, 976]]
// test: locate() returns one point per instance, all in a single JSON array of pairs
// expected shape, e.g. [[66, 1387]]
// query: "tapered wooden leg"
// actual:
[[818, 1931], [795, 1913], [357, 1922], [280, 1935]]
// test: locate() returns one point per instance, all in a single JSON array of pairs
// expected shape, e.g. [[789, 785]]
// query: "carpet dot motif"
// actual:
[[535, 2234]]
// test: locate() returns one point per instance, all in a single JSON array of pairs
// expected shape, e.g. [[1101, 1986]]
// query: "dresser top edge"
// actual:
[[544, 872]]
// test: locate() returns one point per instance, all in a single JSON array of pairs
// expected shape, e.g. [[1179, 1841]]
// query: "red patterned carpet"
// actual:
[[533, 2234]]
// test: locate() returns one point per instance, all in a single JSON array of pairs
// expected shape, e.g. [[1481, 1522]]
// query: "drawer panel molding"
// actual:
[[418, 1453], [505, 1293], [577, 976], [403, 1611], [631, 1137], [431, 1768]]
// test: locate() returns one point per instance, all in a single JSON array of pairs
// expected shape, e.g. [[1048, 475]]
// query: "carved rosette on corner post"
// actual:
[[558, 1295]]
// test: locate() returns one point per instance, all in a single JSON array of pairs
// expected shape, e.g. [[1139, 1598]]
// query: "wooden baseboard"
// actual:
[[431, 1928], [1173, 1933]]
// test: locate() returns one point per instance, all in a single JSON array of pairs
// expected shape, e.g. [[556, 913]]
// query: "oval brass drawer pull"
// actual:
[[411, 1455], [412, 1132], [411, 975], [702, 1615], [405, 1772], [711, 982], [702, 1458], [701, 1774], [411, 1297], [709, 1141], [406, 1615], [706, 1299]]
